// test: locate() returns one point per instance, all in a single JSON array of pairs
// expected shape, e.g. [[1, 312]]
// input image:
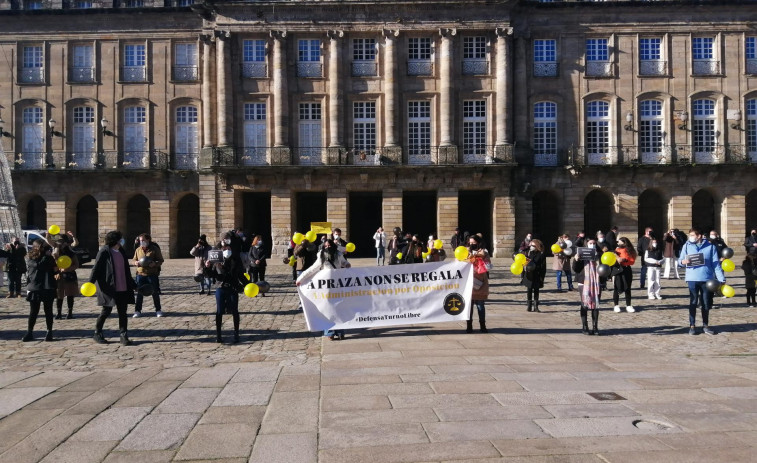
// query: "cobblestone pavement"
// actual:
[[415, 393]]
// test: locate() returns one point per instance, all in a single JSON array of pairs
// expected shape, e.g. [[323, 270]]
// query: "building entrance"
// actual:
[[256, 216], [418, 213], [311, 207], [474, 214], [363, 221]]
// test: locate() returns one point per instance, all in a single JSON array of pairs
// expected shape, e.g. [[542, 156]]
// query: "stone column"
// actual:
[[56, 214], [336, 208], [733, 221], [627, 213], [335, 98], [160, 224], [680, 212], [222, 96], [504, 93], [207, 127], [280, 154], [107, 215], [447, 152], [392, 150], [208, 201]]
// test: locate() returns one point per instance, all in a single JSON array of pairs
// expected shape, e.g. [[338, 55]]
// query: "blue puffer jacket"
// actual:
[[711, 265]]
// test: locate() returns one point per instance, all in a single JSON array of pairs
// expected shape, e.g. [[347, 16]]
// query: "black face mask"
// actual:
[[474, 246]]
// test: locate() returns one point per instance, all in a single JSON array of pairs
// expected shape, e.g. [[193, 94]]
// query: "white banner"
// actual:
[[370, 297]]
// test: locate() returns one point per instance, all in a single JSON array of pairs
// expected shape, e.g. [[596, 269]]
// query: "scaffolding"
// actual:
[[10, 225]]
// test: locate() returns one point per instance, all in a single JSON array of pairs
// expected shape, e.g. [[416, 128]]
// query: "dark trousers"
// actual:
[[643, 276], [750, 295], [533, 293], [34, 312], [155, 282], [227, 301], [616, 295], [257, 274], [122, 318], [14, 281], [481, 309], [69, 303], [698, 292]]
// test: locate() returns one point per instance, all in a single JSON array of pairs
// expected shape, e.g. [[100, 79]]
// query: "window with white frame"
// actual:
[[184, 2], [419, 56], [253, 59], [186, 138], [651, 136], [364, 128], [704, 57], [598, 58], [364, 57], [255, 134], [545, 58], [474, 130], [310, 133], [185, 62], [750, 48], [474, 56], [135, 137], [81, 4], [133, 3], [703, 133], [650, 57], [598, 132], [32, 138], [751, 129], [83, 138], [33, 4], [135, 63], [419, 132], [32, 65], [545, 133], [82, 65], [309, 58]]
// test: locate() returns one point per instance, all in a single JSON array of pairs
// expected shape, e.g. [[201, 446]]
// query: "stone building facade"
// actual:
[[500, 117]]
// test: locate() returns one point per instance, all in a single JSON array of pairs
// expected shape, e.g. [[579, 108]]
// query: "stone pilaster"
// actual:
[[523, 221], [208, 201], [281, 219], [207, 125], [107, 215], [222, 87], [503, 96], [225, 205], [390, 88], [446, 105], [680, 212], [280, 105], [56, 214], [160, 223], [626, 215], [504, 238], [447, 217], [391, 210], [573, 215], [336, 208], [733, 222], [335, 89]]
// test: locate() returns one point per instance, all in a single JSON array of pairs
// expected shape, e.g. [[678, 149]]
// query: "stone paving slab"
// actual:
[[10, 377], [436, 451], [160, 432], [285, 448], [291, 412], [358, 436], [111, 425], [45, 439], [579, 445], [16, 427], [13, 399], [254, 393], [188, 400], [605, 426], [80, 452], [217, 441], [450, 431], [377, 417]]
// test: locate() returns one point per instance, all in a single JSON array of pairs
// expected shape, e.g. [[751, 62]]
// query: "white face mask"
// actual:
[[654, 245], [430, 238], [144, 244], [601, 240], [336, 237], [227, 253], [227, 241], [692, 239], [713, 237], [533, 248]]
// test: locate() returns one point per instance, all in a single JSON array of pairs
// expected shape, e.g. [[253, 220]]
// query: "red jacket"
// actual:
[[624, 254]]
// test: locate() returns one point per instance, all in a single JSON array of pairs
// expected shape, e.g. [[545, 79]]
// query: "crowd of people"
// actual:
[[235, 260]]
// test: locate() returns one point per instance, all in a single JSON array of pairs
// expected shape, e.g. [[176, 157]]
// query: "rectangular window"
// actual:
[[474, 56], [186, 139], [364, 128], [598, 132], [364, 57], [32, 64], [545, 58], [598, 58], [751, 129], [474, 130], [545, 134], [650, 132], [253, 59], [419, 132], [81, 5], [82, 67], [309, 58], [705, 61], [33, 5], [650, 57], [135, 139], [185, 62], [311, 140], [133, 3], [751, 55], [33, 139], [419, 56], [255, 135], [83, 138], [135, 63]]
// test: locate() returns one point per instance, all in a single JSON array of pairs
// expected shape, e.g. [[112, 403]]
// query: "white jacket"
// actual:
[[379, 237]]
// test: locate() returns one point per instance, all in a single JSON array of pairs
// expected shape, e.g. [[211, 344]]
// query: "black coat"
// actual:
[[230, 274], [535, 278], [612, 240], [104, 276], [41, 274], [17, 260], [257, 253], [749, 242]]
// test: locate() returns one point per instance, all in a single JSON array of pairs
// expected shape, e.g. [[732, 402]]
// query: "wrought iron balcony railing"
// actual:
[[82, 74], [420, 68], [364, 68], [32, 75], [30, 160], [134, 73], [476, 67], [309, 69], [186, 73], [653, 67], [254, 70], [546, 69], [185, 161], [751, 66], [705, 67], [599, 69], [253, 156]]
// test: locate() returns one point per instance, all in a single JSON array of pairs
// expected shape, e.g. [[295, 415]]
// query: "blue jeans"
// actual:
[[568, 275], [206, 283], [227, 301], [698, 292], [481, 308], [155, 282], [380, 255]]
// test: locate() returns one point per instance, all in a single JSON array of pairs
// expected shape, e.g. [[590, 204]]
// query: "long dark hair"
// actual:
[[38, 249]]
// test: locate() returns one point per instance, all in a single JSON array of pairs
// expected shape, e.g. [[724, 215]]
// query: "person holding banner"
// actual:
[[477, 254], [702, 262], [534, 273], [589, 287], [329, 257], [395, 245]]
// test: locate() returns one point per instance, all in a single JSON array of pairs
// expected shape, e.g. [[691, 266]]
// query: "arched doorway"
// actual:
[[87, 224], [751, 211], [653, 212], [36, 213], [187, 225], [137, 220], [597, 212], [703, 212], [546, 218]]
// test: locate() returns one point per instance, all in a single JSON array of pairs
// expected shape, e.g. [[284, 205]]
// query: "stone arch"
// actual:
[[187, 228], [546, 216], [598, 212], [88, 223], [705, 211], [36, 213], [137, 219]]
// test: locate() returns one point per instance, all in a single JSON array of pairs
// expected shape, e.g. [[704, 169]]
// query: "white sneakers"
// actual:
[[136, 315], [617, 309], [629, 309], [158, 313]]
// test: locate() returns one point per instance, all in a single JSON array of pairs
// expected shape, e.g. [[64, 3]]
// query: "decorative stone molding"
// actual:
[[335, 34], [447, 32], [390, 33], [278, 34], [504, 31]]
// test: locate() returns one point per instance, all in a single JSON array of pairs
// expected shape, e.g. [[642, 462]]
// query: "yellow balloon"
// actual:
[[53, 230], [520, 258], [727, 291], [461, 253], [399, 255], [425, 254], [88, 289], [438, 244], [247, 275], [311, 236], [728, 266], [251, 290], [516, 268], [350, 247], [298, 237], [555, 248], [63, 262], [609, 258]]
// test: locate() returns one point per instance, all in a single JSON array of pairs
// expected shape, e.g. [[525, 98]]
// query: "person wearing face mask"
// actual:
[[41, 287], [395, 246], [751, 241], [525, 244], [749, 266], [202, 273], [561, 263], [669, 254], [480, 283], [717, 241], [457, 239], [306, 254], [380, 239], [257, 259], [16, 267], [115, 285], [231, 281], [611, 238], [626, 256], [653, 258], [641, 248], [702, 263], [329, 257], [68, 285], [589, 289], [149, 273], [340, 242], [412, 253], [534, 273]]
